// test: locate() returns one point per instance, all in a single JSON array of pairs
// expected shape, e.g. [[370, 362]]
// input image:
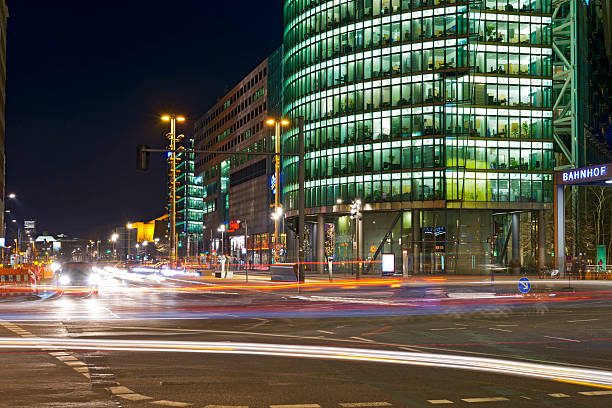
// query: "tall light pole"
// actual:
[[113, 239], [277, 123], [174, 139], [128, 228], [221, 229]]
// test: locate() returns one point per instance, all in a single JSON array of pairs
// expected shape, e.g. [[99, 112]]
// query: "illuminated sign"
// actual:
[[233, 226], [273, 184], [29, 224], [584, 175], [388, 263]]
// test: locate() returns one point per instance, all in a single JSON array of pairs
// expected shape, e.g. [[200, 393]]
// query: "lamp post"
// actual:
[[221, 229], [128, 228], [356, 216], [277, 123], [173, 141], [113, 239]]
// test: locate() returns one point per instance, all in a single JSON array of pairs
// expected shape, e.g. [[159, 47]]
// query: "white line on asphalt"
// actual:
[[361, 339], [559, 395], [525, 397], [364, 404], [502, 330], [591, 393], [120, 390], [111, 312], [67, 358], [75, 363], [134, 397], [440, 402], [491, 399], [506, 325], [326, 332], [226, 406], [296, 406], [166, 403], [411, 349], [582, 320], [563, 338]]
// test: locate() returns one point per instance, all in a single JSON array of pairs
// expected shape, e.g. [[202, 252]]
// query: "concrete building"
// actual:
[[437, 116], [236, 188]]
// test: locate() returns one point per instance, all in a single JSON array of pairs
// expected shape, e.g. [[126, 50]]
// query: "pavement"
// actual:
[[175, 344]]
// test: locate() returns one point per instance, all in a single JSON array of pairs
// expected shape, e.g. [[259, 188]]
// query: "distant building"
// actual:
[[3, 17], [236, 188], [189, 212]]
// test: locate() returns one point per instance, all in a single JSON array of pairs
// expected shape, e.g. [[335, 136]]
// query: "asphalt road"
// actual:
[[176, 344]]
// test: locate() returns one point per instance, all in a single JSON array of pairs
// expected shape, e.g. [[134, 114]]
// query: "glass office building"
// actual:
[[436, 114]]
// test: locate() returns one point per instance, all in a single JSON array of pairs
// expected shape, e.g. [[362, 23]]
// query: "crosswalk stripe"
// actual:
[[364, 404], [296, 406], [590, 393], [491, 399], [443, 401], [559, 395]]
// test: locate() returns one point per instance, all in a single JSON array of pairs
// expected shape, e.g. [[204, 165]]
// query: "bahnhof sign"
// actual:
[[591, 175]]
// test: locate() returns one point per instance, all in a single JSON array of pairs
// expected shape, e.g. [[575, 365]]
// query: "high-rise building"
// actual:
[[3, 22], [189, 212], [436, 115], [236, 188]]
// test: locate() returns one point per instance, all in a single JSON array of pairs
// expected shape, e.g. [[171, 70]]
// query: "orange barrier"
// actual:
[[15, 282]]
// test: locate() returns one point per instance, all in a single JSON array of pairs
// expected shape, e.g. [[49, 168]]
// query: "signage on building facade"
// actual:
[[233, 226], [585, 174]]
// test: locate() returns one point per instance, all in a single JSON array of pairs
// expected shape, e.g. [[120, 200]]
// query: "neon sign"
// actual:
[[584, 174]]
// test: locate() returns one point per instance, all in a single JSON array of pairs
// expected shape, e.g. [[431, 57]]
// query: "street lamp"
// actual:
[[128, 226], [356, 215], [174, 139], [12, 196], [221, 229], [113, 239], [277, 123]]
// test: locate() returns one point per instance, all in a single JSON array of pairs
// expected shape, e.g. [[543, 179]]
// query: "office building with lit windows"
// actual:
[[436, 114], [236, 188]]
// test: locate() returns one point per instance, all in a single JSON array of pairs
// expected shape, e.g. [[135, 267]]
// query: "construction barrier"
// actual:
[[17, 282]]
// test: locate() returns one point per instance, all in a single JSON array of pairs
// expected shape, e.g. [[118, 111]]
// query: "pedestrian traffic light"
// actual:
[[142, 158]]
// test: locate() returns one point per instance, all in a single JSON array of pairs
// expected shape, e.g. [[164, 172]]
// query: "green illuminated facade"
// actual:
[[436, 114]]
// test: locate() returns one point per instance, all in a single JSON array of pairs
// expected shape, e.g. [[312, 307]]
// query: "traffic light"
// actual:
[[142, 158]]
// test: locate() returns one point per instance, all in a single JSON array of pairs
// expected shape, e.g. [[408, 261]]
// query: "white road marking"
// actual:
[[120, 390], [134, 397], [111, 312], [81, 369], [75, 363], [411, 349], [296, 406], [440, 402], [450, 328], [226, 406], [67, 358], [166, 403], [491, 399], [506, 325], [563, 338], [582, 320], [559, 395], [58, 354], [591, 393], [502, 330], [364, 404], [326, 332]]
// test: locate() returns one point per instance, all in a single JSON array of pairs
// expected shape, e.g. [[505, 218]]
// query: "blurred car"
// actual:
[[77, 278]]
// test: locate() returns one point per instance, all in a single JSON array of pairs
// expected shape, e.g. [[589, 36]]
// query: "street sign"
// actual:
[[373, 249], [524, 285]]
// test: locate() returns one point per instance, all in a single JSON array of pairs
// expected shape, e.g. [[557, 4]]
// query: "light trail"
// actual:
[[551, 372]]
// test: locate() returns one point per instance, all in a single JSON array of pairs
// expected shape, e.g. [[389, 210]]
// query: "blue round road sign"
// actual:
[[524, 285]]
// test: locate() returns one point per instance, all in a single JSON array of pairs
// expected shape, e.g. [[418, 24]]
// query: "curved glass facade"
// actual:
[[426, 104]]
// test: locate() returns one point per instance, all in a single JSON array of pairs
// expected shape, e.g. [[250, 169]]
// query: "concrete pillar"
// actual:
[[516, 241], [416, 242], [559, 227], [360, 245], [541, 240], [320, 243]]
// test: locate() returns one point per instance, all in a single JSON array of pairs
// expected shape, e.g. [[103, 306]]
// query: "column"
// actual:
[[516, 242], [541, 240], [559, 227], [416, 242], [321, 243]]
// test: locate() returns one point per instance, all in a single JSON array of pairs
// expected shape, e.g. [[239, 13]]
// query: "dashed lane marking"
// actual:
[[134, 397], [440, 402], [490, 399], [449, 328], [364, 404], [166, 403], [120, 390], [591, 393], [558, 395], [362, 339], [501, 330], [326, 331], [296, 406], [67, 357], [226, 406]]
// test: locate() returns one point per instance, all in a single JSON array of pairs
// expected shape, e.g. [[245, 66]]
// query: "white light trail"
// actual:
[[584, 376]]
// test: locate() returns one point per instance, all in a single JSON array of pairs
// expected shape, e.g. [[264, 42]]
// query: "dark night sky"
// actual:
[[86, 84]]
